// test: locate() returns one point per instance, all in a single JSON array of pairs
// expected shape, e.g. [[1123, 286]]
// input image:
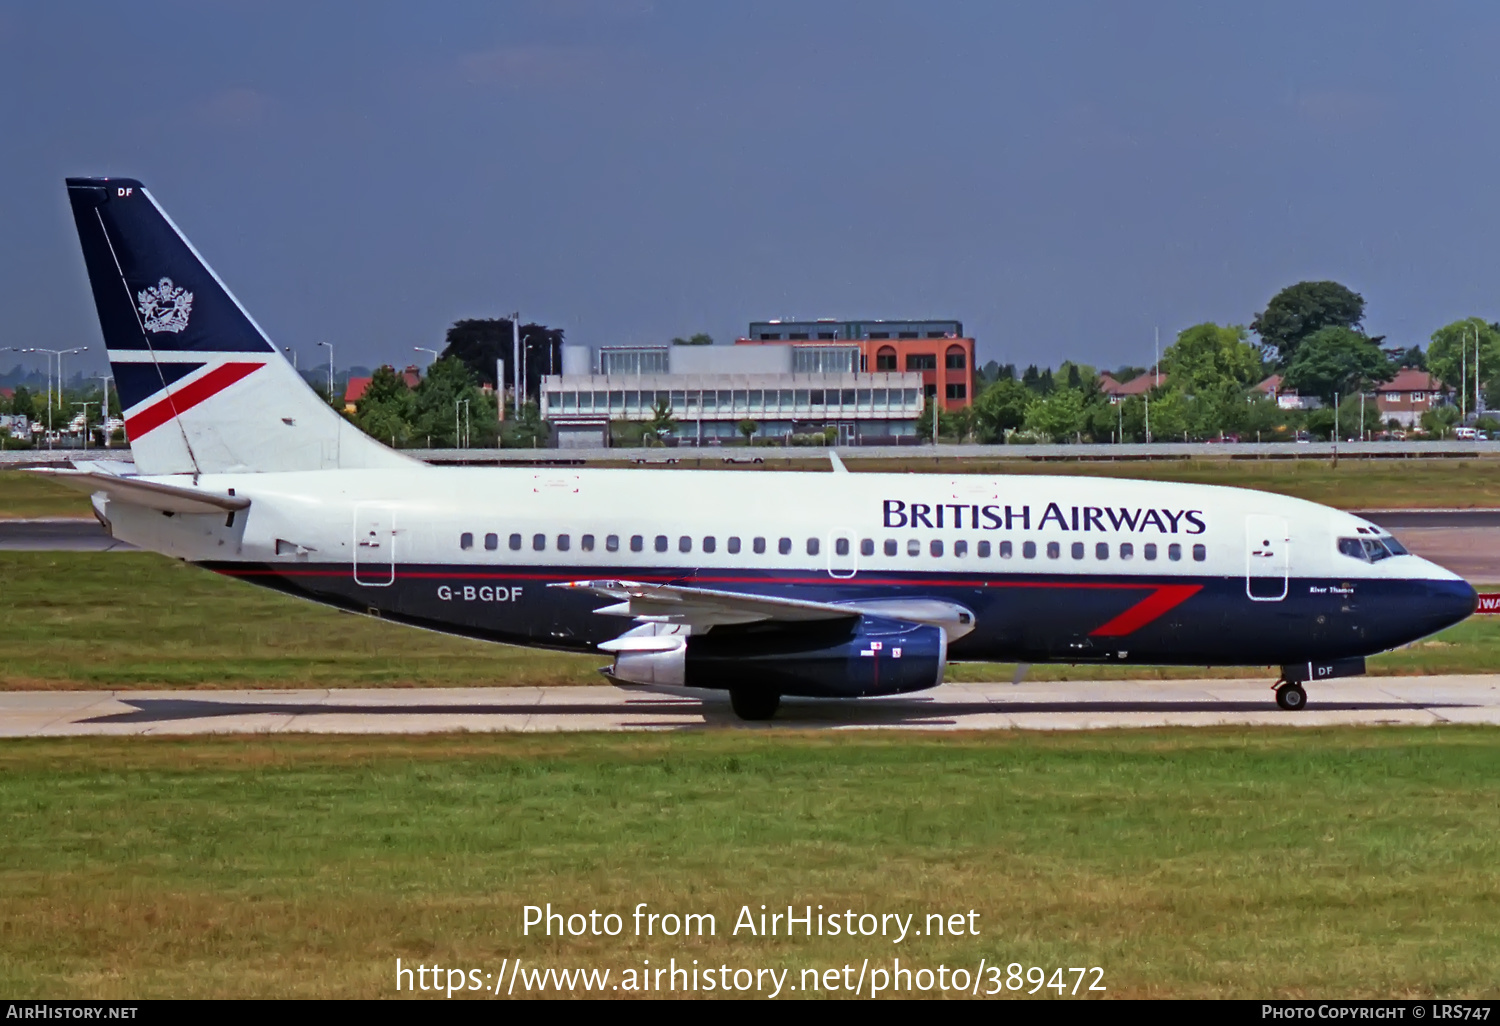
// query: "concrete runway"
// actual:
[[1065, 706]]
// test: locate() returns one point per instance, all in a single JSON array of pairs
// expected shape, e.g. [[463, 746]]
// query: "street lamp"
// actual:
[[330, 369], [424, 349], [104, 380], [58, 354], [461, 441], [85, 422], [292, 353]]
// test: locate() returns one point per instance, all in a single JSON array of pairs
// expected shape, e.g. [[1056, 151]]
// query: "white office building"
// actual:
[[711, 390]]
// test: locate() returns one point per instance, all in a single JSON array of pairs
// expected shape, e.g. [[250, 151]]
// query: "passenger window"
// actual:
[[612, 543], [563, 542], [841, 546], [709, 544], [935, 547], [491, 542], [539, 542], [1149, 550], [466, 540], [1006, 550], [661, 543], [734, 544], [1077, 548], [960, 548], [1174, 552], [684, 544], [812, 546], [637, 543], [1028, 549], [759, 545], [913, 547], [1126, 550], [1054, 550], [515, 543], [784, 546], [1200, 553], [867, 546], [983, 550], [892, 546], [586, 543], [1101, 550]]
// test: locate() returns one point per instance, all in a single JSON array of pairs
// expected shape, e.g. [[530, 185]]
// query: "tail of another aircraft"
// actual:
[[203, 390]]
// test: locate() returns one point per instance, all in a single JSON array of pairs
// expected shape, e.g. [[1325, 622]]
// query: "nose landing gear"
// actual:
[[1290, 696]]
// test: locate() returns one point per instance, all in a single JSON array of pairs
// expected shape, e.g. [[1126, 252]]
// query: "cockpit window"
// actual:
[[1371, 550]]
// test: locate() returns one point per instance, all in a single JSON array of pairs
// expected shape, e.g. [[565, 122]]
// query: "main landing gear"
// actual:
[[1290, 696], [754, 704]]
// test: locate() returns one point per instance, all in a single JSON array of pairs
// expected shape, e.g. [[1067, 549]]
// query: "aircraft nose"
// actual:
[[1448, 602]]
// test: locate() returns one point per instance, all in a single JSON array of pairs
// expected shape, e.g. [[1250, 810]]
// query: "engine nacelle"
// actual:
[[866, 656]]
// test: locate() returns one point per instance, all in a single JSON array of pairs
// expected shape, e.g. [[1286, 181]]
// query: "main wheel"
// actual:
[[1291, 697], [754, 704]]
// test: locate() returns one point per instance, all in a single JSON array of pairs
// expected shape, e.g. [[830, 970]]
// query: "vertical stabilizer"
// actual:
[[203, 389]]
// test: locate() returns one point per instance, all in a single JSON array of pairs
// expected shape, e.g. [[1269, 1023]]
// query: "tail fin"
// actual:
[[203, 390]]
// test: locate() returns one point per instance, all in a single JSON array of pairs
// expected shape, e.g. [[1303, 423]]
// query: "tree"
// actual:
[[1336, 360], [1207, 356], [1451, 357], [23, 403], [478, 343], [662, 421], [700, 339], [438, 407], [747, 428], [1001, 407], [386, 410], [1059, 416], [1300, 311], [1440, 420], [526, 430]]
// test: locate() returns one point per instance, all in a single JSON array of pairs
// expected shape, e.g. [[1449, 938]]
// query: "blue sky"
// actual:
[[1063, 177]]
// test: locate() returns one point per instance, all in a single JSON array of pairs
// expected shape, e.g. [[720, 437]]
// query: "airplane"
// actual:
[[765, 584]]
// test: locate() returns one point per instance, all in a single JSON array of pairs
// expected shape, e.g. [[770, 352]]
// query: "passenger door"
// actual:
[[1267, 558], [374, 546]]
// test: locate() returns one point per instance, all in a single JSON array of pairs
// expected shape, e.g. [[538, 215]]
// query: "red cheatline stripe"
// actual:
[[185, 398], [1166, 597]]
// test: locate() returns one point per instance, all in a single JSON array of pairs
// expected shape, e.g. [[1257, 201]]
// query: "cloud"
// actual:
[[232, 108]]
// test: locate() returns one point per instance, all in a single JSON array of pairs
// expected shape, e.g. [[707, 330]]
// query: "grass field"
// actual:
[[137, 620], [1351, 484], [1203, 863]]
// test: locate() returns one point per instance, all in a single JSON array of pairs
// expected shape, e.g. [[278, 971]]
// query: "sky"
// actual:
[[1066, 178]]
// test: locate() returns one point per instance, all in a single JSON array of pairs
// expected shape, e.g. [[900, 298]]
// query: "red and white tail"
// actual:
[[204, 390]]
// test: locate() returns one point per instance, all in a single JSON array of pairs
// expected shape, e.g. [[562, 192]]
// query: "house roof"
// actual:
[[1270, 386], [1135, 386], [1410, 379], [354, 391]]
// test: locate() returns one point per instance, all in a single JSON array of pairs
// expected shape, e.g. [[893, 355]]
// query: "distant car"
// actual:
[[1466, 434], [1225, 439], [1304, 437]]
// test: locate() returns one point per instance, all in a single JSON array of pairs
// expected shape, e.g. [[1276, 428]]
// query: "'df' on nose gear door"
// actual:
[[1267, 558]]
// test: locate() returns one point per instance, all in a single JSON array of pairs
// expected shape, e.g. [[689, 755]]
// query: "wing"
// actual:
[[703, 608]]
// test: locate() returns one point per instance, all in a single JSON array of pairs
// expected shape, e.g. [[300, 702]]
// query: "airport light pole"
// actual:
[[57, 354], [288, 350], [424, 349], [330, 369], [104, 380], [85, 422]]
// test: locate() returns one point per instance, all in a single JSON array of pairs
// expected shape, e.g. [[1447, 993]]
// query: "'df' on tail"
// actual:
[[203, 389]]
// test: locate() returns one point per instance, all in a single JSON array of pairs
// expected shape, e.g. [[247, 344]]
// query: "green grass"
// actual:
[[138, 620], [1209, 863], [1351, 484]]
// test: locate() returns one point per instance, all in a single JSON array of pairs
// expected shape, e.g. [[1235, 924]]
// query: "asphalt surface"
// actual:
[[1069, 706]]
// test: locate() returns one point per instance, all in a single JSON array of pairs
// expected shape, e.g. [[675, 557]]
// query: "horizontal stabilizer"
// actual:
[[149, 494]]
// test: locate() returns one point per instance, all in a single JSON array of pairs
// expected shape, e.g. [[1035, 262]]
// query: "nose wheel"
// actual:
[[1290, 696]]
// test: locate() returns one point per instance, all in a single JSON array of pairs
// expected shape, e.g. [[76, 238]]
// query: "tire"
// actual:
[[1291, 697], [754, 705]]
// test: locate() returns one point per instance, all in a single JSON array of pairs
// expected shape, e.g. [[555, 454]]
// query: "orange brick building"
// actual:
[[938, 350]]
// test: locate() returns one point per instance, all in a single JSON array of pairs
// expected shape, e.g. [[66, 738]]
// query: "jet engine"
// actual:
[[849, 657]]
